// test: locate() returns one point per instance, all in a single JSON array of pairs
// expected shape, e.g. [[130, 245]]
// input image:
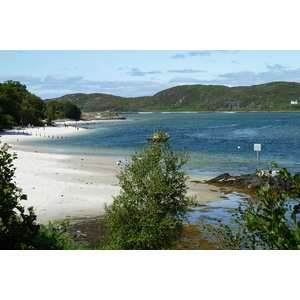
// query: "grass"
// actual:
[[275, 96]]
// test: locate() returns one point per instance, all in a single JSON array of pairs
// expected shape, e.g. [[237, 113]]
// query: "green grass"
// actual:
[[275, 96]]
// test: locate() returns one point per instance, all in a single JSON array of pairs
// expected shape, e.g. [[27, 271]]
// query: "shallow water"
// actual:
[[222, 210], [216, 142]]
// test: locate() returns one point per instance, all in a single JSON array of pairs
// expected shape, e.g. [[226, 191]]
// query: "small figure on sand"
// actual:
[[119, 162]]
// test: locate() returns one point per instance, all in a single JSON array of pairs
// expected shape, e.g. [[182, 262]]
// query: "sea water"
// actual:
[[216, 142]]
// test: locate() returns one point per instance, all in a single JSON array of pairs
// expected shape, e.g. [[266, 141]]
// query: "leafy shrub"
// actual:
[[18, 227], [271, 221], [149, 212]]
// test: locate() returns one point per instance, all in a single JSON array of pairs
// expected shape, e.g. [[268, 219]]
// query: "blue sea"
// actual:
[[216, 142]]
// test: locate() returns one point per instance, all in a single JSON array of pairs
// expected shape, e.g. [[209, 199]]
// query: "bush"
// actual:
[[271, 221], [149, 212], [18, 227]]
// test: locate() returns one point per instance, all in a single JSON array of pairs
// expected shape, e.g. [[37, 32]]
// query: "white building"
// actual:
[[294, 101]]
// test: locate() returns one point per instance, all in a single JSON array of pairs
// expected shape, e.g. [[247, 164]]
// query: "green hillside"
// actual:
[[275, 96]]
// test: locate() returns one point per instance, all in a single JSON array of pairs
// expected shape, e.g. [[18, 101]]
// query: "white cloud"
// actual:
[[178, 56], [61, 79], [185, 80], [22, 79], [276, 67], [245, 78], [274, 73], [58, 85], [137, 72], [186, 71], [200, 53]]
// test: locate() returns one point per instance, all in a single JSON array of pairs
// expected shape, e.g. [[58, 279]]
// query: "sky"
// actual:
[[132, 73]]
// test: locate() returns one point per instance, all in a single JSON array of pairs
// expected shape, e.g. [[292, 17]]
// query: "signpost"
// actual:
[[257, 148]]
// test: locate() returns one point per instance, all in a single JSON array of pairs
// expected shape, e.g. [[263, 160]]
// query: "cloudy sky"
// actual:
[[130, 73]]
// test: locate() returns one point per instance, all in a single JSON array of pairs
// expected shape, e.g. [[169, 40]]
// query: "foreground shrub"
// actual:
[[271, 221], [149, 212], [18, 227]]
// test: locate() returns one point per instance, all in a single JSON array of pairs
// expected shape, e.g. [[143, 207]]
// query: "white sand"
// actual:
[[62, 187]]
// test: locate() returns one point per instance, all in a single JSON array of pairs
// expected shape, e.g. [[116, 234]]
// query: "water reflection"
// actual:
[[223, 210]]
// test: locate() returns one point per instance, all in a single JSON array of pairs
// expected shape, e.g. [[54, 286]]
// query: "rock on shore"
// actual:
[[249, 181]]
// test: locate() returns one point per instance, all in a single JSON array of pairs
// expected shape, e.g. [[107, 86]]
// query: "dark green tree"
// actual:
[[149, 212], [18, 227], [10, 103], [66, 109], [71, 110], [18, 106], [32, 110], [53, 111]]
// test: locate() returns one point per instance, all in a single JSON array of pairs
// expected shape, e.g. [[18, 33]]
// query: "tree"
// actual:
[[71, 110], [18, 227], [53, 111], [149, 212], [65, 109], [18, 106], [271, 221], [32, 110], [10, 103]]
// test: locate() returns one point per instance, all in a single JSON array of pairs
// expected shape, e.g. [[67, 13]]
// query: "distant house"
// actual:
[[294, 101]]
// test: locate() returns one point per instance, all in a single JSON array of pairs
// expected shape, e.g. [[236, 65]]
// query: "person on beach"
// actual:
[[119, 162]]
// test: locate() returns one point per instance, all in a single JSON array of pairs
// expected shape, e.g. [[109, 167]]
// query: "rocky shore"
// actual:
[[250, 182]]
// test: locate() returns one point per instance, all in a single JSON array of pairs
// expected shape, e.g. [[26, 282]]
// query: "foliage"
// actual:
[[53, 111], [272, 221], [18, 227], [274, 96], [57, 110], [32, 110], [51, 237], [18, 106], [149, 212], [71, 110]]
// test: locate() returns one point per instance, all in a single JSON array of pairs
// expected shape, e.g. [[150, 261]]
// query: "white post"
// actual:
[[257, 148]]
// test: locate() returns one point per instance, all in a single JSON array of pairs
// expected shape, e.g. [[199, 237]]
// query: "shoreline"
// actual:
[[72, 187], [209, 112]]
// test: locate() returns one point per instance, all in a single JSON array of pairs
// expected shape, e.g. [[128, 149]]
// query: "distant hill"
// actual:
[[275, 96]]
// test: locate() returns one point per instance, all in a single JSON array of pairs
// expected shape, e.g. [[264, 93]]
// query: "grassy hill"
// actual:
[[275, 96]]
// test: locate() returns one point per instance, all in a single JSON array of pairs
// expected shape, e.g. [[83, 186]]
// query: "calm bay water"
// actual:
[[216, 142]]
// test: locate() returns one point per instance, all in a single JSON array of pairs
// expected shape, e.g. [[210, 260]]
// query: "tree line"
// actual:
[[19, 107]]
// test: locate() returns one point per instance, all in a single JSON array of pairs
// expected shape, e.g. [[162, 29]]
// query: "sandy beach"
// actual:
[[72, 187]]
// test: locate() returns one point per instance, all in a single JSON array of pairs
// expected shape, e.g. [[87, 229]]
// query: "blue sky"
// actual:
[[131, 73], [55, 27]]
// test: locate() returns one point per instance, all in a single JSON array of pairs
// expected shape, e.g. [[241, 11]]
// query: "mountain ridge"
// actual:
[[273, 96]]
